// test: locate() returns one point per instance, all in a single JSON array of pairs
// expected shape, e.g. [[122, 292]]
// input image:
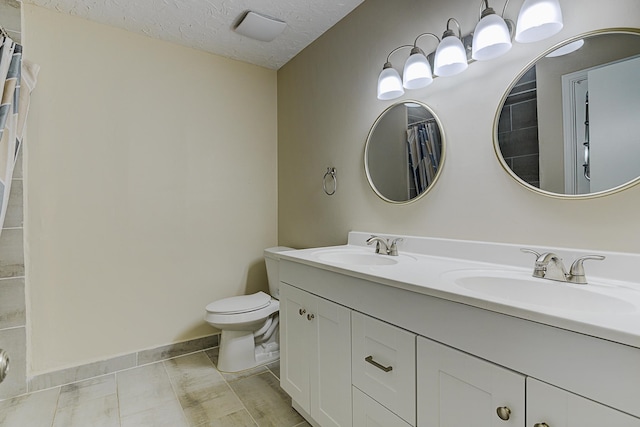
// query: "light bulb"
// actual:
[[451, 57], [417, 71], [538, 20], [491, 37], [389, 83]]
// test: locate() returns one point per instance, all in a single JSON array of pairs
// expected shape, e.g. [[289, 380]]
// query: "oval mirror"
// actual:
[[404, 153], [568, 125]]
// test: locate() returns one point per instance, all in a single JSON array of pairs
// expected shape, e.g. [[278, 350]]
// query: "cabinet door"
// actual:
[[331, 364], [458, 390], [369, 413], [553, 407], [295, 352]]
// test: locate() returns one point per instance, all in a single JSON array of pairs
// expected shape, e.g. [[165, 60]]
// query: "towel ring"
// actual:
[[331, 172]]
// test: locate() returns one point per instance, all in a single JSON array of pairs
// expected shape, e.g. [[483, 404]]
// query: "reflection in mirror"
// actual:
[[568, 126], [404, 152]]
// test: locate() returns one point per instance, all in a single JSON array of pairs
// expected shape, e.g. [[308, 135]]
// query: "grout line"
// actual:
[[237, 397], [175, 393], [55, 413], [231, 389]]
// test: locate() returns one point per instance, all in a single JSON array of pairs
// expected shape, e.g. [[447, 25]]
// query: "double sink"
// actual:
[[506, 285]]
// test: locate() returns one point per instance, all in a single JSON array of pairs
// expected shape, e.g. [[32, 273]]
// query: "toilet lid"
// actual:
[[240, 304]]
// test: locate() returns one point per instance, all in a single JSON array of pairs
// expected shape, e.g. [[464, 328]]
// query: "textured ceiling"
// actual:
[[208, 24]]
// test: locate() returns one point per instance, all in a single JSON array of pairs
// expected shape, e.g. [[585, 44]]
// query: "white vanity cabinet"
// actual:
[[549, 406], [455, 389], [315, 338], [452, 364]]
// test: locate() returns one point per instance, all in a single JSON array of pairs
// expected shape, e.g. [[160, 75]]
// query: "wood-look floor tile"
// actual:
[[236, 419], [99, 412], [274, 367], [34, 409], [201, 389], [169, 414], [144, 388], [83, 391], [267, 403]]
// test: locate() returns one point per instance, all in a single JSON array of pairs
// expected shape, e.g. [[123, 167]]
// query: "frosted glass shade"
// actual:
[[491, 38], [451, 57], [389, 84], [538, 20], [417, 72]]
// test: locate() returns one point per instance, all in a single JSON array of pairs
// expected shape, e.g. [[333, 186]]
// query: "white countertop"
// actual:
[[420, 268]]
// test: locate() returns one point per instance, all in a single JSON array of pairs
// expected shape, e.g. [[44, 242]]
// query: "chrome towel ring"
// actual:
[[331, 173]]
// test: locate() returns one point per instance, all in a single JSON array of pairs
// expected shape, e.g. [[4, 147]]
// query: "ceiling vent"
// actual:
[[260, 27]]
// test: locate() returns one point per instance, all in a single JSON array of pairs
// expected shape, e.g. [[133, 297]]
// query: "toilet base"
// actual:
[[238, 351]]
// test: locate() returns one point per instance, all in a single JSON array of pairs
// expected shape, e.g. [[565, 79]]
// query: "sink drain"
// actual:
[[4, 365]]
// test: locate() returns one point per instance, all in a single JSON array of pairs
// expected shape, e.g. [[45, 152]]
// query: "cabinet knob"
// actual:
[[302, 311], [310, 316], [541, 425], [504, 413]]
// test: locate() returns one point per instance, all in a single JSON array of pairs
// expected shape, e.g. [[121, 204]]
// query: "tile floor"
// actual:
[[183, 391]]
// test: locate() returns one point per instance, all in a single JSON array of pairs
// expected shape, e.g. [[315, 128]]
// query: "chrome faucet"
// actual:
[[550, 266], [390, 248]]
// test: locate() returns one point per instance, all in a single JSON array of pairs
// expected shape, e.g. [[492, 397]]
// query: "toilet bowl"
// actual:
[[249, 323]]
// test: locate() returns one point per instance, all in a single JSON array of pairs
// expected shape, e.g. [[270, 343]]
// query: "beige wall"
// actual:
[[150, 188], [327, 102]]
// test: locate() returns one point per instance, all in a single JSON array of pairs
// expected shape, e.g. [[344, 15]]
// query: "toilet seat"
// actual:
[[239, 312], [239, 304]]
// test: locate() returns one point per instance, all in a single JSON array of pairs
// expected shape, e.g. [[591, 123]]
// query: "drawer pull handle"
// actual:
[[504, 413], [302, 311], [369, 359], [310, 316], [541, 425]]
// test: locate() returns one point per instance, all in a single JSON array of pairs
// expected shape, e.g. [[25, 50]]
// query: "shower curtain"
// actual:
[[424, 146], [12, 112]]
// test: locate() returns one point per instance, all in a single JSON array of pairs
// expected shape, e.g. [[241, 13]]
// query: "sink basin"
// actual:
[[351, 257], [520, 287]]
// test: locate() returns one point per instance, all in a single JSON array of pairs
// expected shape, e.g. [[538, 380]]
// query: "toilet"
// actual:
[[249, 323]]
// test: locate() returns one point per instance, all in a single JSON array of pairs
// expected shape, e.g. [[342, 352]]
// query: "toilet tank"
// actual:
[[271, 259]]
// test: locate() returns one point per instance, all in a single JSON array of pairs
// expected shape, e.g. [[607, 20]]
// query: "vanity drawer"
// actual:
[[369, 413], [384, 364]]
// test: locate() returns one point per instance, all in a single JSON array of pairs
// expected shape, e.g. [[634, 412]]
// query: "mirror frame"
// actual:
[[496, 144], [443, 152]]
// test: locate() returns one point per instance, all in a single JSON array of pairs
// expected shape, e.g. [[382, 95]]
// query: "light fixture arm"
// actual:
[[450, 32], [504, 9], [394, 51], [416, 49]]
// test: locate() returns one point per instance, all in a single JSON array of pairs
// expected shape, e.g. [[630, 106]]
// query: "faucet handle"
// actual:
[[530, 251], [576, 273], [393, 249]]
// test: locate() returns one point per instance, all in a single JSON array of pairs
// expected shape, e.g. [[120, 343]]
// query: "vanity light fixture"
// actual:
[[538, 20], [417, 70], [389, 81], [491, 37], [451, 56]]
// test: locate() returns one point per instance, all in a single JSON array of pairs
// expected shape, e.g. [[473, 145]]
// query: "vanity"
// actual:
[[457, 333]]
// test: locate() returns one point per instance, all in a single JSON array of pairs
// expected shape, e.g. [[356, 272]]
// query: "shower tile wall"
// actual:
[[12, 284], [518, 129], [12, 291]]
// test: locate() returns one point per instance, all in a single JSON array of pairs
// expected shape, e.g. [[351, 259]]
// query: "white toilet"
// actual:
[[249, 323]]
